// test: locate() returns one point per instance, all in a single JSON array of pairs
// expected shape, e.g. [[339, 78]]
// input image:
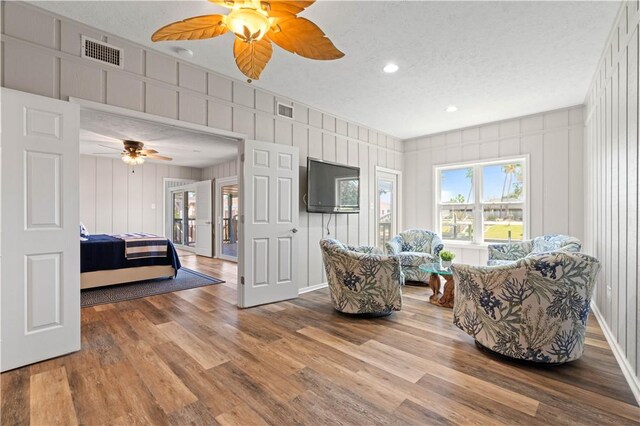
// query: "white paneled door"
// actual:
[[269, 210], [204, 219], [40, 247]]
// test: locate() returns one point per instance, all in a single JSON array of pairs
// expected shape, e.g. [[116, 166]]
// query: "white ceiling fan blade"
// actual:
[[159, 157], [110, 147], [104, 153]]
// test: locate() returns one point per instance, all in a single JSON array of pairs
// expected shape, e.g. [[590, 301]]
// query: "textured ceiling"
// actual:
[[99, 131], [493, 60]]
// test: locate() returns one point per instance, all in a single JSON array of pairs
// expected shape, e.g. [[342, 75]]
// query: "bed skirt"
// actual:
[[125, 275]]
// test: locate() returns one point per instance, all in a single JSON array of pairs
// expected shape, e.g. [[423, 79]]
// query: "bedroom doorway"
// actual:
[[227, 209]]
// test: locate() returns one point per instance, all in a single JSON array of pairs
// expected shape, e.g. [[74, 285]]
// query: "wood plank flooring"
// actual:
[[192, 357]]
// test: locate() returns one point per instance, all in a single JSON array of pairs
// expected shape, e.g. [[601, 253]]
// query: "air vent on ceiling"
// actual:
[[101, 52], [285, 110]]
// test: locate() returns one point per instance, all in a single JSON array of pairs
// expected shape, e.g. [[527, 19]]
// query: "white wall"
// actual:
[[114, 199], [41, 54], [611, 174], [554, 142]]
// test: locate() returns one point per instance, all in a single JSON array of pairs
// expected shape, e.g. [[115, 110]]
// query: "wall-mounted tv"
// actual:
[[332, 187]]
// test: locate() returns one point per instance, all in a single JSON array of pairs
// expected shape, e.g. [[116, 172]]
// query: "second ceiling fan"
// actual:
[[135, 154]]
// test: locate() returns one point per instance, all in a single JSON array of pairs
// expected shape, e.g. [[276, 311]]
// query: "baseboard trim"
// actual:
[[312, 288], [632, 380]]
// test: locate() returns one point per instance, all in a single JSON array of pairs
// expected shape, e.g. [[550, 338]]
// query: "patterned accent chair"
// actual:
[[535, 309], [504, 254], [415, 247], [362, 280]]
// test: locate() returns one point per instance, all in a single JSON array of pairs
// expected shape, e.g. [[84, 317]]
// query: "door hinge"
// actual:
[[242, 280], [241, 218], [242, 158]]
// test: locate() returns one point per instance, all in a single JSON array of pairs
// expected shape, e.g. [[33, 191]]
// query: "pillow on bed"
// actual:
[[83, 230]]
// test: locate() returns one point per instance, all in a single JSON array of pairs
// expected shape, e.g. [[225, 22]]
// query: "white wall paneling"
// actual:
[[611, 198], [554, 142], [116, 198], [160, 84]]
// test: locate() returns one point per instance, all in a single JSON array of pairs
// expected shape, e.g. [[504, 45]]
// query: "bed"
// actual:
[[108, 260]]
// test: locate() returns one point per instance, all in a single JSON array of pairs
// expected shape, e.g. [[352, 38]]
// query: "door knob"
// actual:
[[294, 230]]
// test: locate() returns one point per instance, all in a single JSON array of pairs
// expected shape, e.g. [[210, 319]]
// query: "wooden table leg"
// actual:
[[434, 283], [446, 301]]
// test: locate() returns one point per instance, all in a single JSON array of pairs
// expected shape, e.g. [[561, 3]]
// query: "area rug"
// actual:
[[185, 279]]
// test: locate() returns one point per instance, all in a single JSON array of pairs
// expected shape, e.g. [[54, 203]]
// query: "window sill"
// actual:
[[467, 245]]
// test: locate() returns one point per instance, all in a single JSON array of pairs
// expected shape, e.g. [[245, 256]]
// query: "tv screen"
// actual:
[[332, 188]]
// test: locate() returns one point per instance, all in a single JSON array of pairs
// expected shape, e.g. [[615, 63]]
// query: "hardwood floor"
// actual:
[[192, 357]]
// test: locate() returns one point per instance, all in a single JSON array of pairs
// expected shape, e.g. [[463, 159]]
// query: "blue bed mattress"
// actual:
[[103, 252]]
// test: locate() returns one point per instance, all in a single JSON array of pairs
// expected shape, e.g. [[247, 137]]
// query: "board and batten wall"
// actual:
[[612, 198], [41, 55], [116, 198], [554, 143]]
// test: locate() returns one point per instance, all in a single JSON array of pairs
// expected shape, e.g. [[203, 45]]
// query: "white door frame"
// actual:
[[96, 106], [398, 205], [217, 205]]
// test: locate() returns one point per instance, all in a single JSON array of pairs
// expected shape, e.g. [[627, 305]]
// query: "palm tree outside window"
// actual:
[[482, 202]]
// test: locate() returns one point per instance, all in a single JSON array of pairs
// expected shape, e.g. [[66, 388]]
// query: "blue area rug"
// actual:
[[185, 279]]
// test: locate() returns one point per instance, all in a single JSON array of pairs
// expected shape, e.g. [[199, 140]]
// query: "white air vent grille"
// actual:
[[100, 51], [285, 110]]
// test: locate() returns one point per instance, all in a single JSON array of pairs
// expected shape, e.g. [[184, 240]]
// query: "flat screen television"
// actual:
[[332, 187]]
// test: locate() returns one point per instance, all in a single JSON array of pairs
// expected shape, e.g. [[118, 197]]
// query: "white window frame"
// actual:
[[477, 205]]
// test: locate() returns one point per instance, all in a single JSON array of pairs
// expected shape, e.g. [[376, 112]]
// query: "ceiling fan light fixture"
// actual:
[[132, 160], [248, 24]]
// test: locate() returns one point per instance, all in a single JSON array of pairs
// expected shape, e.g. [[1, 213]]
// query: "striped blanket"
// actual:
[[142, 246]]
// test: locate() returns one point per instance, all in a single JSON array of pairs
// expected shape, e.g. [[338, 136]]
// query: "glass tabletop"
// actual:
[[435, 268]]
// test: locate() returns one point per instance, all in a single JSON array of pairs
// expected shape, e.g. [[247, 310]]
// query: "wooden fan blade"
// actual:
[[196, 28], [251, 58], [282, 8], [110, 147], [303, 37], [148, 151], [158, 157]]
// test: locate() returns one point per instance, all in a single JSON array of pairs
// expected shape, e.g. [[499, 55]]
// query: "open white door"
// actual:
[[40, 291], [267, 261], [204, 219]]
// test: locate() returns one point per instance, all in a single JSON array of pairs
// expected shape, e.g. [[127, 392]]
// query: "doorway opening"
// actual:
[[387, 199], [227, 215]]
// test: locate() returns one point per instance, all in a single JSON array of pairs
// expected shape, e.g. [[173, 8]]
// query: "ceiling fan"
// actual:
[[135, 154], [257, 23]]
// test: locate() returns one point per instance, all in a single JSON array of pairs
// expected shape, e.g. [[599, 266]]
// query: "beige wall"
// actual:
[[116, 198], [554, 143], [611, 174], [41, 54]]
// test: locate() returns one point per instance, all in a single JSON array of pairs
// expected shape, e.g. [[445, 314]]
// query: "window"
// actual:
[[482, 202]]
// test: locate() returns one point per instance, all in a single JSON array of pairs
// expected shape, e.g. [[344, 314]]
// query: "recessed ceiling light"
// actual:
[[390, 68], [451, 108]]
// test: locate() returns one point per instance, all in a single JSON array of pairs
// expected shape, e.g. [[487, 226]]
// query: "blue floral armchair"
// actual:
[[362, 280], [415, 247], [503, 254], [535, 309]]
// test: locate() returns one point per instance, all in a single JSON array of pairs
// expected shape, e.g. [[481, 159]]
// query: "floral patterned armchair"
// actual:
[[504, 254], [415, 247], [362, 280], [535, 309]]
